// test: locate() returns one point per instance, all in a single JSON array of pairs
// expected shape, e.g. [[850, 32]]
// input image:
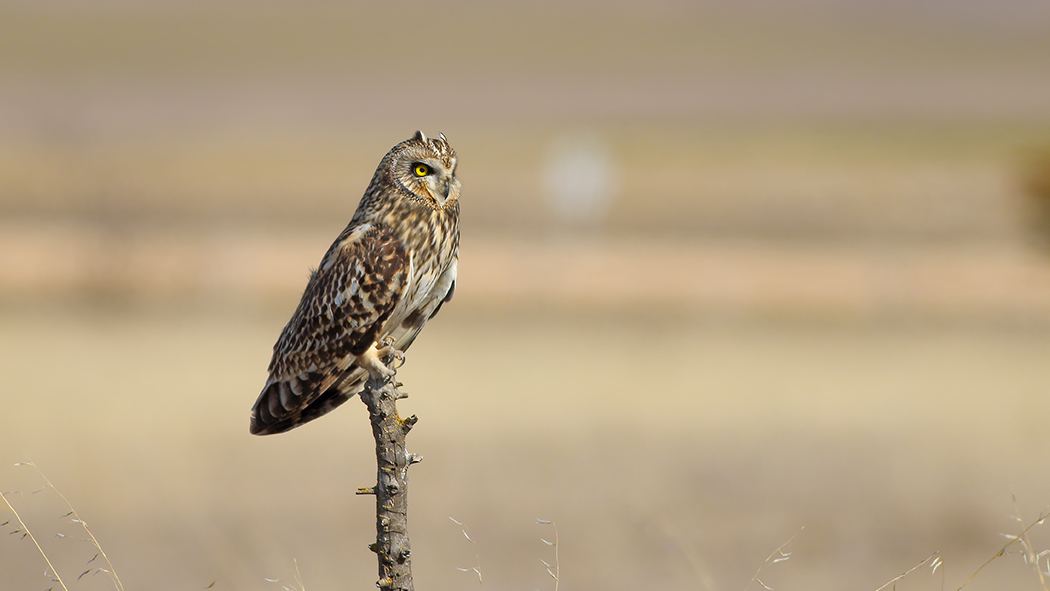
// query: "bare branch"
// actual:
[[392, 545]]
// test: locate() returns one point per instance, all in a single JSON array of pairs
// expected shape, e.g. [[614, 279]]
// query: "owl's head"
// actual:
[[424, 169]]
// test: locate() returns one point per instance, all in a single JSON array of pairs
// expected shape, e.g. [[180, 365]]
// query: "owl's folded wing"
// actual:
[[344, 307]]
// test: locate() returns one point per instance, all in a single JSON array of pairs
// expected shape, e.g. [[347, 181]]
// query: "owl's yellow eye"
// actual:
[[421, 170]]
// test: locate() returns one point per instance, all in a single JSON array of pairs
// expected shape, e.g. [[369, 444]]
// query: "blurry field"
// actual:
[[809, 296], [803, 119], [670, 454]]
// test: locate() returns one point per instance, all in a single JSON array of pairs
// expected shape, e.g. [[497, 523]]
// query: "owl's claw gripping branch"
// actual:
[[374, 358], [388, 350], [391, 490]]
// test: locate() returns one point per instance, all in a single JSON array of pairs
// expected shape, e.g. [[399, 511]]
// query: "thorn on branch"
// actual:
[[408, 423]]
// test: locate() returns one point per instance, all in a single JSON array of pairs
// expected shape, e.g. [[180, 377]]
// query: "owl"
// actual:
[[383, 278]]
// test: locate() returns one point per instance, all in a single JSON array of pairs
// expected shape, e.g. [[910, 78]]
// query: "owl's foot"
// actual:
[[387, 349], [372, 361]]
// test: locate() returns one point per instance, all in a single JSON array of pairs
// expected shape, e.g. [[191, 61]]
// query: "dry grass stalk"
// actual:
[[477, 559], [1030, 556], [933, 559], [1022, 539], [29, 533], [778, 555], [554, 570], [75, 519], [298, 580]]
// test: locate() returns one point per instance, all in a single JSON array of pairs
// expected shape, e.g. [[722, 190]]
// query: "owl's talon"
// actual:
[[385, 349], [372, 362]]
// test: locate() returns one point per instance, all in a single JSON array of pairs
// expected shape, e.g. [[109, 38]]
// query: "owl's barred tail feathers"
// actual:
[[270, 416]]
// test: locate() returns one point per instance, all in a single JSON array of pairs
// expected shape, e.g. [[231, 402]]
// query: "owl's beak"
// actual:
[[442, 193]]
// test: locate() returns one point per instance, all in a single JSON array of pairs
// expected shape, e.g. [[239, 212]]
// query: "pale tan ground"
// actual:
[[670, 454]]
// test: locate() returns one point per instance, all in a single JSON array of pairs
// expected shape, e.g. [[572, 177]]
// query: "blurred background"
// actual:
[[728, 270]]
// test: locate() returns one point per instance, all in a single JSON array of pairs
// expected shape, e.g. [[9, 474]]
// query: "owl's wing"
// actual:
[[343, 310]]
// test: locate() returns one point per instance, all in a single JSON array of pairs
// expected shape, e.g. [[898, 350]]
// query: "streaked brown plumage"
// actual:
[[382, 279]]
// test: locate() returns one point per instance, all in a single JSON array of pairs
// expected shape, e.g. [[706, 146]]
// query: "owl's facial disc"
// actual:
[[431, 178]]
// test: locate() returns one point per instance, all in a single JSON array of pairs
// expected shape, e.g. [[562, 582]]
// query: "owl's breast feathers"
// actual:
[[431, 237]]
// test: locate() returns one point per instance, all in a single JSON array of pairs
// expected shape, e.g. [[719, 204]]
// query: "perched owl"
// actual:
[[382, 279]]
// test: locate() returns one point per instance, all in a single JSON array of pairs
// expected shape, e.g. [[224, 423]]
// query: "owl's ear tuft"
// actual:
[[419, 136]]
